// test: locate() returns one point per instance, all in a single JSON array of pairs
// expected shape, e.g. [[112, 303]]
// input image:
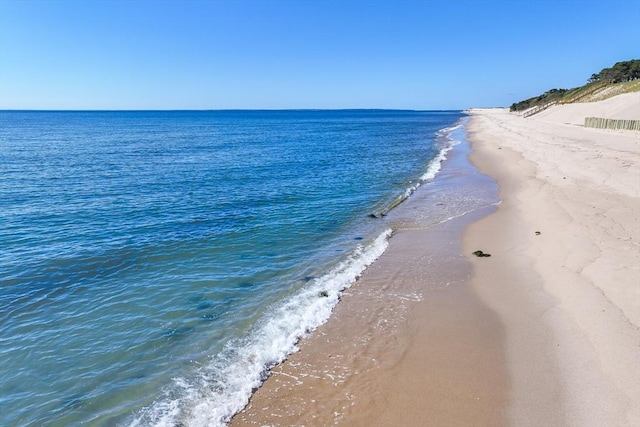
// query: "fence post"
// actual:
[[602, 123]]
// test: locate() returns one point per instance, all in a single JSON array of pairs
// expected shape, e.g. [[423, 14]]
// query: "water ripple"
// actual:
[[136, 245]]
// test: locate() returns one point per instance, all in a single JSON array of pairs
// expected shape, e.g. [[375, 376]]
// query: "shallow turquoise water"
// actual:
[[153, 264]]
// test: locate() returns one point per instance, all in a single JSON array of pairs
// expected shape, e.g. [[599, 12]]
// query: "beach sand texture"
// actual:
[[543, 332]]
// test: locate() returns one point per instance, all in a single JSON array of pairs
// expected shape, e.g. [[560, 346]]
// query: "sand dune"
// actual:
[[623, 107]]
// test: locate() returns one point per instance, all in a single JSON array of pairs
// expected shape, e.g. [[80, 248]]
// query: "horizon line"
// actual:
[[225, 109]]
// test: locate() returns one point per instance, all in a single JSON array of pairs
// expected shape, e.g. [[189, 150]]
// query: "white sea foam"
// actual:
[[448, 142], [215, 393], [435, 164]]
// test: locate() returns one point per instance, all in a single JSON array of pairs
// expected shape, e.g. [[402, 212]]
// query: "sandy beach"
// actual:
[[545, 331], [567, 286]]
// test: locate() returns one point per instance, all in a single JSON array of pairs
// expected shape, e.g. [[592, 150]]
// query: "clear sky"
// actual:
[[203, 54]]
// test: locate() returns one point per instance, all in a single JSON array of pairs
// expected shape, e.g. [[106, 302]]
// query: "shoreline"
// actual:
[[374, 364], [428, 335], [353, 368]]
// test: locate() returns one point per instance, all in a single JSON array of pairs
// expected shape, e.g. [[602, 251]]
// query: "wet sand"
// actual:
[[543, 332], [410, 341]]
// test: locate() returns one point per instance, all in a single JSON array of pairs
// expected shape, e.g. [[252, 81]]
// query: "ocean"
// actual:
[[154, 265]]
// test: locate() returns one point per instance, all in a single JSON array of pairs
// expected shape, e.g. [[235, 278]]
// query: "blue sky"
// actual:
[[198, 54]]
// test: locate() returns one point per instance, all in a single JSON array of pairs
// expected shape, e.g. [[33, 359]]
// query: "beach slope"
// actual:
[[565, 275], [545, 331]]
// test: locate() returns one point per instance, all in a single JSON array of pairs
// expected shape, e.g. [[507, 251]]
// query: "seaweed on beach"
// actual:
[[481, 254]]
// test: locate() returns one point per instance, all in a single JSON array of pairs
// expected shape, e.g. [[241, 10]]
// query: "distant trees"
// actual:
[[548, 96], [621, 72]]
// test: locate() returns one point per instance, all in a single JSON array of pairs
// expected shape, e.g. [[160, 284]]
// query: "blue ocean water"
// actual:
[[154, 265]]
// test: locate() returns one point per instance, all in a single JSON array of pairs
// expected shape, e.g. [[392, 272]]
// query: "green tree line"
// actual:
[[545, 98], [620, 72]]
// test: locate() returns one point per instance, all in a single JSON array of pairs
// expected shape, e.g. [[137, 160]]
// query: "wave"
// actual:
[[445, 139], [216, 392]]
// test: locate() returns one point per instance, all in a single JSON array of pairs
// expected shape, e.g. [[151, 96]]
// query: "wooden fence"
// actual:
[[537, 109], [598, 122]]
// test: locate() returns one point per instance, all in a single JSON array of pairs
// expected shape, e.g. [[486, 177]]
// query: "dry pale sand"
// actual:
[[545, 332], [578, 280], [622, 107]]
